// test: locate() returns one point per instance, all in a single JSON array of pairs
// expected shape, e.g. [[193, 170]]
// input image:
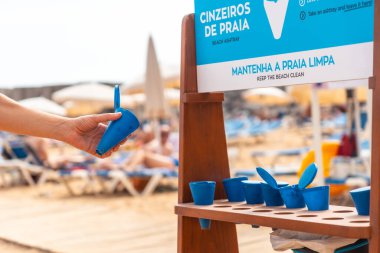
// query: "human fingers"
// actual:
[[105, 117]]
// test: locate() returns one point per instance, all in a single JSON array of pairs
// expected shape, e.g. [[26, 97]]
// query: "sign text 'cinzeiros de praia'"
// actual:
[[258, 43]]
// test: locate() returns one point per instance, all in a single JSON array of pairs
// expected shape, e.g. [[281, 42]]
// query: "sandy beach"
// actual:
[[47, 219], [98, 224]]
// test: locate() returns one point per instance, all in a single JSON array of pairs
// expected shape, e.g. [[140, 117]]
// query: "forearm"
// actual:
[[21, 120]]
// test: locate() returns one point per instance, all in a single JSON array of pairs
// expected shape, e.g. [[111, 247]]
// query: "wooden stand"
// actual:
[[203, 156]]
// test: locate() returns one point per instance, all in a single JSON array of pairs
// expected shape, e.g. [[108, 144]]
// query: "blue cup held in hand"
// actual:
[[119, 129], [203, 195]]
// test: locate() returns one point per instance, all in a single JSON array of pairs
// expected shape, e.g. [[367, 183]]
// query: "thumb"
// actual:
[[99, 118]]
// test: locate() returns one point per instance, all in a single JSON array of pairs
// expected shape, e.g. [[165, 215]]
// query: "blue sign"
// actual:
[[246, 44]]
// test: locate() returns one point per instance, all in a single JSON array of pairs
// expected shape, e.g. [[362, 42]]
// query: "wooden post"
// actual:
[[203, 153], [374, 246]]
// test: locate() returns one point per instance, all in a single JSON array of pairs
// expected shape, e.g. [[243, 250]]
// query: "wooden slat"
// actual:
[[203, 97], [375, 157], [203, 153], [338, 221], [110, 224]]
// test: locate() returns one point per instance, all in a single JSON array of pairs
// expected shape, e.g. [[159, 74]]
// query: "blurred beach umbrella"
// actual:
[[301, 94], [77, 108], [327, 96], [172, 97], [155, 105], [91, 94], [43, 104], [267, 96], [84, 92], [169, 75]]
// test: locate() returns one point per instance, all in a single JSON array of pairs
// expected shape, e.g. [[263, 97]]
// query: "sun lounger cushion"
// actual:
[[142, 172], [246, 173], [284, 152]]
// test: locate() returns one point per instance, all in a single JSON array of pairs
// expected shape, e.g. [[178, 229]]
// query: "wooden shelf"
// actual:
[[338, 221]]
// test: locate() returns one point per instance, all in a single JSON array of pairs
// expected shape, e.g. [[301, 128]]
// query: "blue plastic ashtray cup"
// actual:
[[317, 198], [234, 189], [253, 192], [361, 198], [203, 193], [292, 196], [272, 196], [119, 129]]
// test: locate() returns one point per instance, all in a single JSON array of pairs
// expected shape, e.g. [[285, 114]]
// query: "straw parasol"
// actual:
[[169, 75], [326, 96], [171, 97], [84, 92], [155, 105], [43, 104], [89, 98], [267, 96]]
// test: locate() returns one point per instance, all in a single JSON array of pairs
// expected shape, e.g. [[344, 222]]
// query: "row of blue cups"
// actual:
[[256, 192], [240, 189]]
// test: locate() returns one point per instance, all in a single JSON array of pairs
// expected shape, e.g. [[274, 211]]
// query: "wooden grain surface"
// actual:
[[202, 97], [110, 224], [338, 221], [375, 157], [203, 153]]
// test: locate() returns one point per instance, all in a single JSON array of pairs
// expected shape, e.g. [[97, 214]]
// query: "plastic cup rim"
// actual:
[[235, 179], [280, 184], [251, 182], [317, 188], [363, 189], [202, 182], [290, 188]]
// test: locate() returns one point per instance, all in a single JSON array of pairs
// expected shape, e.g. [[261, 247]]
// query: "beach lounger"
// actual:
[[17, 151], [276, 155], [30, 166], [245, 173], [11, 167], [155, 175], [264, 127]]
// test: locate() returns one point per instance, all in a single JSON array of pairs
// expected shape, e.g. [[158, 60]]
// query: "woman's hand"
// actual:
[[85, 132]]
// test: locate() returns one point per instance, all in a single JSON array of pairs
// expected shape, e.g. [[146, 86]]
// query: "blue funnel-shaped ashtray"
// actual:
[[272, 196], [203, 195], [119, 129], [234, 189], [292, 195], [317, 198], [270, 188], [361, 198], [253, 192]]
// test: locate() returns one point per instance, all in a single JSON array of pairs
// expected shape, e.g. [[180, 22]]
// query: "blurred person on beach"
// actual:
[[154, 153], [83, 132], [39, 148], [151, 152]]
